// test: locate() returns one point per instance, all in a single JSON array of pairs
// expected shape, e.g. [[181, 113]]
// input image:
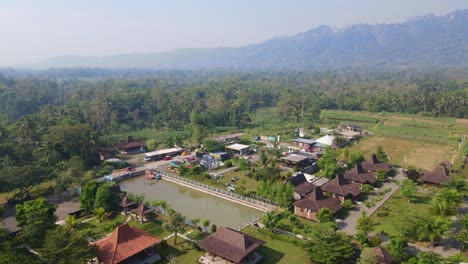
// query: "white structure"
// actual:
[[325, 140], [160, 154], [240, 149]]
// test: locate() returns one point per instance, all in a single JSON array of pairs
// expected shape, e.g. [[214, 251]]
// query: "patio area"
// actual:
[[208, 258]]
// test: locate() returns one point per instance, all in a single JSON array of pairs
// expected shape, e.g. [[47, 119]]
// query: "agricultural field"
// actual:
[[408, 139]]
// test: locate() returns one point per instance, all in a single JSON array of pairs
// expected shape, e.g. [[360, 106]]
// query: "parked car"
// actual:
[[167, 158]]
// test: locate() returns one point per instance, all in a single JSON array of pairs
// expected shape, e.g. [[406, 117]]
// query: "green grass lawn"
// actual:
[[184, 251], [97, 230], [278, 251], [248, 183], [388, 217], [297, 225]]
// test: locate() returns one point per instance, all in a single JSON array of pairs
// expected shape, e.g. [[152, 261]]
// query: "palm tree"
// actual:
[[71, 222], [162, 204], [100, 214], [174, 222], [195, 222], [205, 223], [270, 221]]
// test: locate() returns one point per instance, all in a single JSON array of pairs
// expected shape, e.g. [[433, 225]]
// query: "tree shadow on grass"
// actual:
[[270, 255], [421, 200]]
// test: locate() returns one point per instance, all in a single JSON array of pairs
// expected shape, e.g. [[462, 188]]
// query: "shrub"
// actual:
[[228, 164]]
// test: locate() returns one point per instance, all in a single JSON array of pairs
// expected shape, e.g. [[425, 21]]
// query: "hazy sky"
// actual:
[[37, 29]]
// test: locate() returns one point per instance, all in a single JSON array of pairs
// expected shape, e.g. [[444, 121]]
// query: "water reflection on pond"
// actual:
[[191, 203]]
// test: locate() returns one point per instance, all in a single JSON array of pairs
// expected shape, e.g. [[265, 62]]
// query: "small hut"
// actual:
[[126, 203], [141, 211], [230, 246]]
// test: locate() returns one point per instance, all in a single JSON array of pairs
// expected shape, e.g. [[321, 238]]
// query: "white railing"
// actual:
[[246, 200]]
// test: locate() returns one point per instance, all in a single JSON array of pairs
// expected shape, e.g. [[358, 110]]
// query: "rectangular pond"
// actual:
[[191, 203]]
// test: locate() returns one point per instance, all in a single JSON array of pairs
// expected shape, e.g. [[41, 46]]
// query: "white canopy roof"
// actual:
[[326, 140], [237, 147]]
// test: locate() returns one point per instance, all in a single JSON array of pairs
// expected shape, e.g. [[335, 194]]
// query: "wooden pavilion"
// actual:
[[230, 246]]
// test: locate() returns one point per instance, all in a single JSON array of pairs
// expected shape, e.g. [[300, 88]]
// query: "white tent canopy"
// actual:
[[326, 140]]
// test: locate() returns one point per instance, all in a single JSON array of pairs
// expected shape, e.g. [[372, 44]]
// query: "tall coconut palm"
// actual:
[[174, 222]]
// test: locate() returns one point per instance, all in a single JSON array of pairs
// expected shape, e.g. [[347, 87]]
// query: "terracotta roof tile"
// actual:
[[123, 243]]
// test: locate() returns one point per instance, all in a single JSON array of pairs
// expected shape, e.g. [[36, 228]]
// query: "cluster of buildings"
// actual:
[[313, 194], [129, 244]]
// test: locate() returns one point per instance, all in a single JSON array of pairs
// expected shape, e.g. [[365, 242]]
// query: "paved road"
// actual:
[[348, 225]]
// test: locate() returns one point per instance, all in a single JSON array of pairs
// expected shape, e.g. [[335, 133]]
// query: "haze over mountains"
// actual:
[[422, 42]]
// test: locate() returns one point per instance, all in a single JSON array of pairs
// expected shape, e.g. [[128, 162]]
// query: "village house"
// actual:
[[303, 189], [375, 165], [437, 176], [295, 160], [107, 153], [350, 127], [340, 188], [131, 146], [304, 143], [128, 244], [359, 175], [309, 206], [230, 246]]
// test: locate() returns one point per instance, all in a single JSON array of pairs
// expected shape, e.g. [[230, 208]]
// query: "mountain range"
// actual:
[[421, 42]]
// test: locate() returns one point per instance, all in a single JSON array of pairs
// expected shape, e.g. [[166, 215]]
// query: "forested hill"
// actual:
[[422, 42]]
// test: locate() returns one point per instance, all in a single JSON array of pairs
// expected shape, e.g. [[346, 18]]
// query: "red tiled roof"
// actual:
[[340, 187], [230, 244], [316, 201], [374, 165], [358, 174], [437, 176], [123, 243]]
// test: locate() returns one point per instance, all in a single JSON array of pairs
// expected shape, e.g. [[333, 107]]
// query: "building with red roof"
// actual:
[[128, 245]]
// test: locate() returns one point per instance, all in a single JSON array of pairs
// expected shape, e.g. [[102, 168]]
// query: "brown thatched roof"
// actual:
[[437, 176], [142, 210], [316, 200], [340, 187], [359, 174], [230, 244], [123, 243], [126, 202], [304, 188], [374, 165]]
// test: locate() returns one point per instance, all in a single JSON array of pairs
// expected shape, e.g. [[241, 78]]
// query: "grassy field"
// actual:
[[278, 251], [425, 141], [390, 216], [36, 191]]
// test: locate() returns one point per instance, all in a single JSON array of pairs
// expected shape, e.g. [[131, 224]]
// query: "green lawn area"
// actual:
[[184, 251], [248, 183], [390, 216], [297, 225], [96, 230], [278, 251]]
